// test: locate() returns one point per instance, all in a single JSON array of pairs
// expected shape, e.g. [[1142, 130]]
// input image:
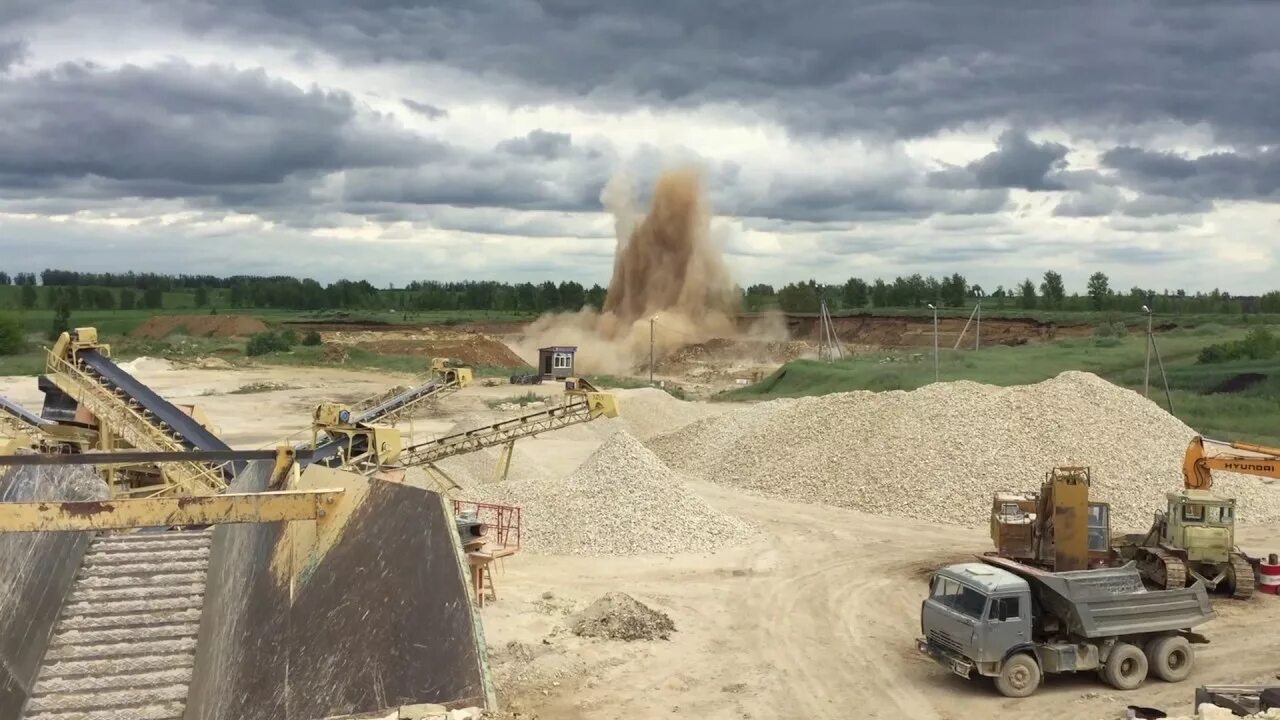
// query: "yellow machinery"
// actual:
[[127, 414], [367, 447], [1057, 528], [1195, 535], [311, 588], [388, 408]]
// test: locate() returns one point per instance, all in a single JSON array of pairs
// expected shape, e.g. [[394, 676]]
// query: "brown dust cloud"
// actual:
[[666, 265]]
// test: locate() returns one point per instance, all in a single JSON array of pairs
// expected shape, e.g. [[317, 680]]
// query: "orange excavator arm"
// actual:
[[1236, 457]]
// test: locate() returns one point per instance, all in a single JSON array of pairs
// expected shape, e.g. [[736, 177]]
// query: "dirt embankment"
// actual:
[[199, 326], [471, 348], [901, 332]]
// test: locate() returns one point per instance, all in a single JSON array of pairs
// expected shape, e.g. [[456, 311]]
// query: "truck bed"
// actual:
[[1112, 602]]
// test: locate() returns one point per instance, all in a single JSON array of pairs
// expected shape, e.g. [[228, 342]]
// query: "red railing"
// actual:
[[502, 522]]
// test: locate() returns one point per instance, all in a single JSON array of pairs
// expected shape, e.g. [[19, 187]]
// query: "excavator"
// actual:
[[1057, 528], [1195, 535]]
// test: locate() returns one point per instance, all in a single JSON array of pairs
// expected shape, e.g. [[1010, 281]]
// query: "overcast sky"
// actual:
[[398, 140]]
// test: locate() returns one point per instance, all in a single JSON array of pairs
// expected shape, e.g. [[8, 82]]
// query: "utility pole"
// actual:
[[652, 320], [935, 344], [977, 330], [1146, 375]]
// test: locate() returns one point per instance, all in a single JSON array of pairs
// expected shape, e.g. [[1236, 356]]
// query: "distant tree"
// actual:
[[1099, 290], [548, 296], [12, 339], [28, 296], [127, 299], [596, 296], [153, 298], [4, 278], [1052, 290], [61, 318], [572, 296], [952, 290], [879, 293], [855, 293], [202, 296], [1027, 295]]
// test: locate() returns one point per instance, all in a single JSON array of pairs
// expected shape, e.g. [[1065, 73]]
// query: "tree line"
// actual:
[[128, 291]]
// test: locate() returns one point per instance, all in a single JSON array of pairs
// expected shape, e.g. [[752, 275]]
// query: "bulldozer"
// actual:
[[1057, 527], [1195, 535]]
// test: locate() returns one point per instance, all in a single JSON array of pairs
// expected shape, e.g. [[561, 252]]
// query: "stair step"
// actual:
[[121, 607], [165, 711], [194, 590], [157, 576], [124, 634], [145, 567], [138, 615], [161, 537], [165, 556], [121, 697], [167, 646], [102, 667], [81, 683]]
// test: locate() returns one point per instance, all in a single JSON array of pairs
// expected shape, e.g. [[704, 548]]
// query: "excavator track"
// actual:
[[1171, 571], [124, 645], [1242, 580]]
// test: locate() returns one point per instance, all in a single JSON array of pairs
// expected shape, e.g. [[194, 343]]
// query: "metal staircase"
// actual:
[[135, 424], [124, 645]]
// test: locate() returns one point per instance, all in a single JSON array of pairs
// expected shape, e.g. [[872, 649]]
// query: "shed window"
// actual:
[[562, 361]]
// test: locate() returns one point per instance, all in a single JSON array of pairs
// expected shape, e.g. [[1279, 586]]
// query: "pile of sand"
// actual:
[[940, 452], [618, 616], [621, 501], [199, 326]]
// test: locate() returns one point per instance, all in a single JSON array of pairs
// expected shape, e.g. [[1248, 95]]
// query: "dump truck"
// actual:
[[1015, 623]]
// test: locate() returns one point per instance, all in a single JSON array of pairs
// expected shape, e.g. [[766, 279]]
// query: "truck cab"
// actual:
[[1202, 523], [975, 616]]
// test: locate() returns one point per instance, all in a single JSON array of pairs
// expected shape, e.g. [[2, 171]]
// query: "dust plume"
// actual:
[[666, 265]]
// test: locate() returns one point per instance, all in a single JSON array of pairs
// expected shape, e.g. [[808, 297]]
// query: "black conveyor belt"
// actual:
[[192, 434], [20, 412]]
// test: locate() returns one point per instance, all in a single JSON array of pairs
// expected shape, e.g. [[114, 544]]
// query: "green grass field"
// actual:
[[1252, 414]]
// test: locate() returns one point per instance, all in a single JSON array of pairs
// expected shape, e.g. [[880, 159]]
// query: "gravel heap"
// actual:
[[621, 501], [646, 412], [940, 452], [618, 616]]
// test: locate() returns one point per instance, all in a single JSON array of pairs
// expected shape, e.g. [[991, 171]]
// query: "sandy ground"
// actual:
[[817, 620]]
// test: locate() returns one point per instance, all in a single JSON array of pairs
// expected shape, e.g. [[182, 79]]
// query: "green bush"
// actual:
[[268, 342], [12, 340], [1120, 329], [1107, 342], [312, 338], [1259, 344], [1104, 330], [290, 337]]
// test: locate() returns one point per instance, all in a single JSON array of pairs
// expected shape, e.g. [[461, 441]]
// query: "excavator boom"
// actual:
[[1244, 458]]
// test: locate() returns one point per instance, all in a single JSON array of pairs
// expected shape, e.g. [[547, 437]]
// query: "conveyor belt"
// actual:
[[20, 412], [330, 449], [407, 397], [190, 433]]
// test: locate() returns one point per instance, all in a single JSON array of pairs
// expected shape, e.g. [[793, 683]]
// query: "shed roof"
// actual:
[[559, 348]]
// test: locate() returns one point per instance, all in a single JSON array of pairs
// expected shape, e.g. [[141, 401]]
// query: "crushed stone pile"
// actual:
[[647, 412], [621, 501], [940, 452], [618, 616]]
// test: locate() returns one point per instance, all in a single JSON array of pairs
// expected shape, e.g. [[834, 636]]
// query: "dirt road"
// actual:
[[819, 621]]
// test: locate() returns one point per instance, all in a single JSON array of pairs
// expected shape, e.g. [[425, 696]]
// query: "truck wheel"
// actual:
[[1170, 658], [1019, 677], [1126, 667]]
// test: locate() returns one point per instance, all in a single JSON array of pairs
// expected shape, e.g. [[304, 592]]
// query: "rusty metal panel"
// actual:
[[119, 514], [1070, 526], [379, 616], [242, 652], [385, 618], [36, 572]]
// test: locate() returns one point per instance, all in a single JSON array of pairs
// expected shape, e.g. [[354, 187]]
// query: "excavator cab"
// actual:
[[1202, 524]]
